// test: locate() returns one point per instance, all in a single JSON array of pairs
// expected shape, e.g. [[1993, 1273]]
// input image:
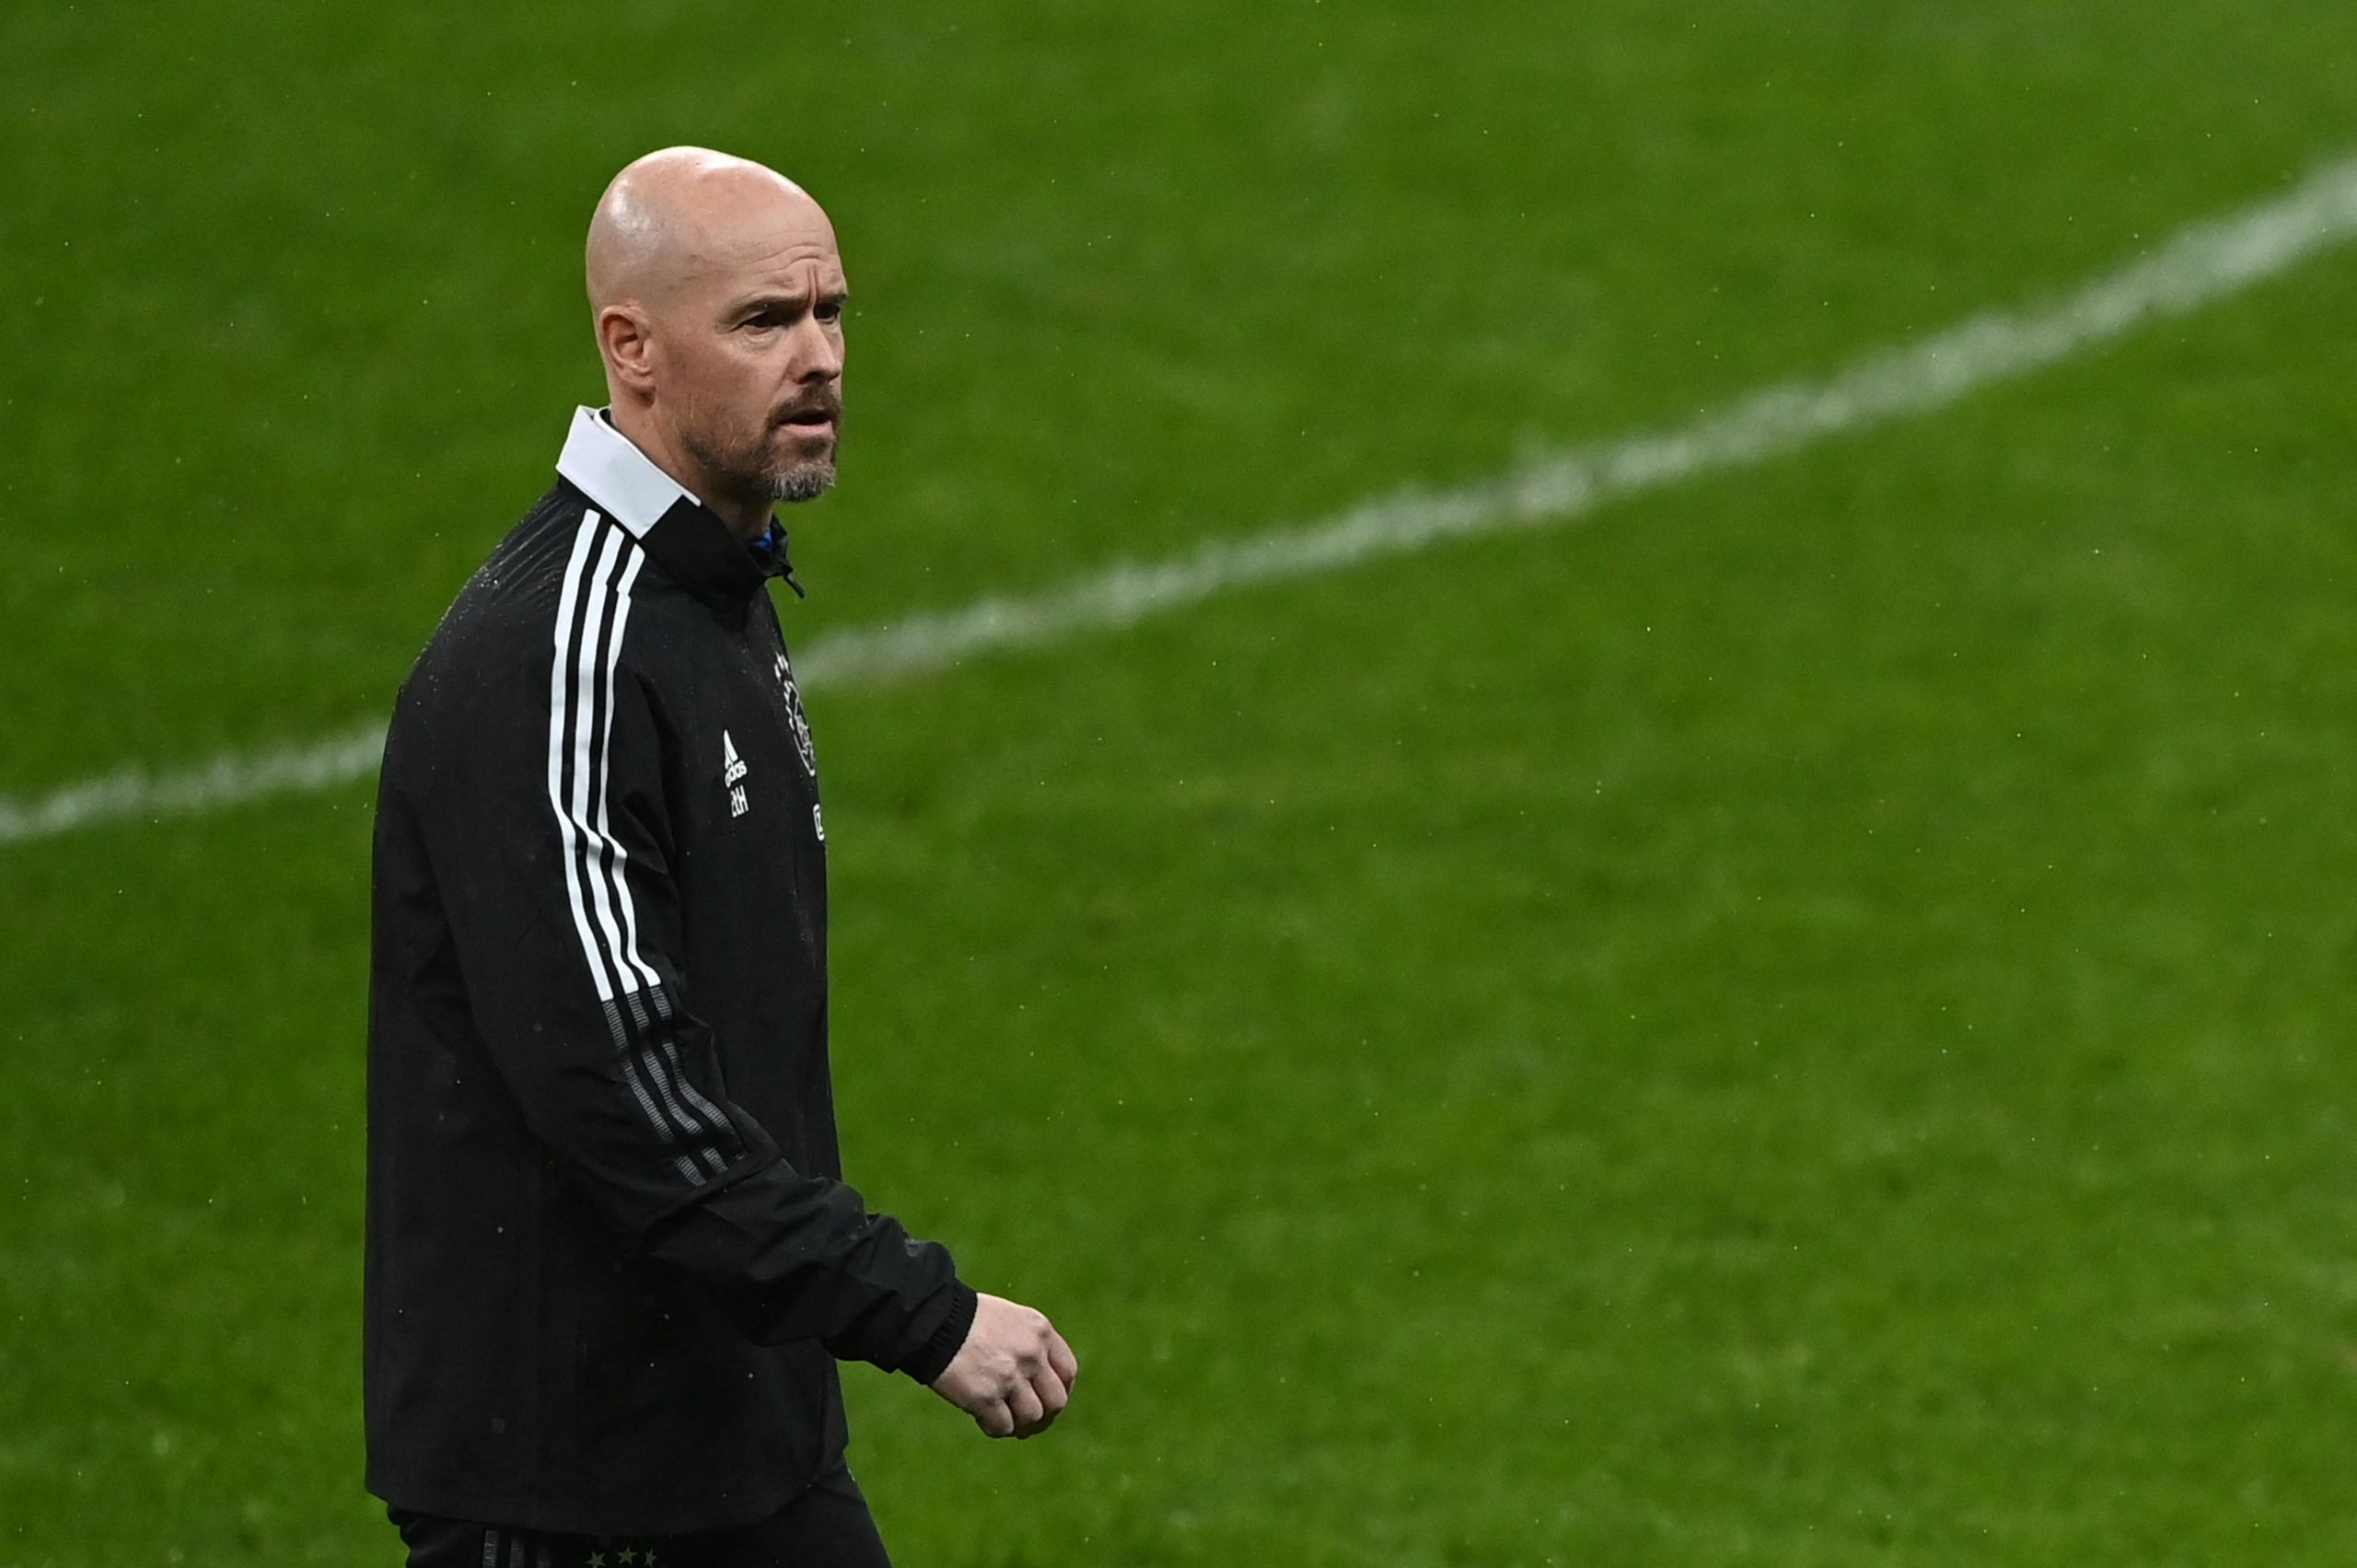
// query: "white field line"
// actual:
[[225, 781], [2197, 265]]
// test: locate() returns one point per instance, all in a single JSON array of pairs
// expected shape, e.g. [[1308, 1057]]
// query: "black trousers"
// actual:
[[827, 1527]]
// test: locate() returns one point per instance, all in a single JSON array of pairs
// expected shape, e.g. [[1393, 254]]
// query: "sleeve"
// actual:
[[550, 847]]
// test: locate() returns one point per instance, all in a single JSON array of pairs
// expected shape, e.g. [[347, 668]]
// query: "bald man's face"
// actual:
[[754, 358], [736, 339]]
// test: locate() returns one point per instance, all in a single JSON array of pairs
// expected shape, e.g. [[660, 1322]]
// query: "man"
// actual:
[[610, 1259]]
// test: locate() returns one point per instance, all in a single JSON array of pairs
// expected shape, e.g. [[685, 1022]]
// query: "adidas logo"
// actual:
[[733, 770]]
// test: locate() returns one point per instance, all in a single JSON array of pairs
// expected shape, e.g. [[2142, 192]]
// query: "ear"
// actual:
[[626, 339]]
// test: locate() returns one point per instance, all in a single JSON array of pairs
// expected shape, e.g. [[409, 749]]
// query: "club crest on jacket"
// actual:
[[793, 713]]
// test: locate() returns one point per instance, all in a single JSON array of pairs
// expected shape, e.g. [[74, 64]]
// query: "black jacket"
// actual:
[[610, 1259]]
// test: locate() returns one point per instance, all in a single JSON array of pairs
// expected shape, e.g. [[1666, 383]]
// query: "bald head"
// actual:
[[674, 214], [718, 294]]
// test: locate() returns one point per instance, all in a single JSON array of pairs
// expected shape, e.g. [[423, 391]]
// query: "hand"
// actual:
[[1014, 1374]]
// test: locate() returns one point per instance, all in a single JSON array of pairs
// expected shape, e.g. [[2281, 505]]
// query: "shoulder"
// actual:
[[568, 608], [567, 581], [489, 661]]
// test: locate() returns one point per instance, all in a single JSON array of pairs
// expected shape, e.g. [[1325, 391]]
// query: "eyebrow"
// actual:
[[761, 304]]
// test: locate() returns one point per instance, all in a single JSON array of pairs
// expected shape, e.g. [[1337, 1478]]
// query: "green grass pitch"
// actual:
[[1801, 1021]]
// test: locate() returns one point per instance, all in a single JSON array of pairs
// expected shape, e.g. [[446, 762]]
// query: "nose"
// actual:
[[816, 355]]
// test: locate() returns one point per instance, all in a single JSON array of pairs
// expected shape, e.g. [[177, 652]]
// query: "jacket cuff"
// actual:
[[947, 1338]]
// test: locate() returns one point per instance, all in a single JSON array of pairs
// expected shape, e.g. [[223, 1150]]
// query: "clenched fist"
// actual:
[[1014, 1374]]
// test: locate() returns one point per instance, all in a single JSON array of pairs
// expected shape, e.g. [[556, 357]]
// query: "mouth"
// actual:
[[814, 423]]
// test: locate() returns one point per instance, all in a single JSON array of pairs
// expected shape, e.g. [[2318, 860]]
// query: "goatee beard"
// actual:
[[742, 477], [803, 482]]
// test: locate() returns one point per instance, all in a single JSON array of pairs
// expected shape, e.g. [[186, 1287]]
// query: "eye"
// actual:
[[831, 311]]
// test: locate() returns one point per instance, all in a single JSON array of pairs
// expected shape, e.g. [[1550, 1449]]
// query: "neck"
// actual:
[[746, 517]]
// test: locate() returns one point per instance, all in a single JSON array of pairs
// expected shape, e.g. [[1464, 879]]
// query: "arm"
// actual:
[[549, 843]]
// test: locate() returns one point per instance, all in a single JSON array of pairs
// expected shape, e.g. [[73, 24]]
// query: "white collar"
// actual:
[[606, 466]]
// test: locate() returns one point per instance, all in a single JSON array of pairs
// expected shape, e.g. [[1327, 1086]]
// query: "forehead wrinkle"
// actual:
[[770, 248], [786, 252], [798, 269]]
